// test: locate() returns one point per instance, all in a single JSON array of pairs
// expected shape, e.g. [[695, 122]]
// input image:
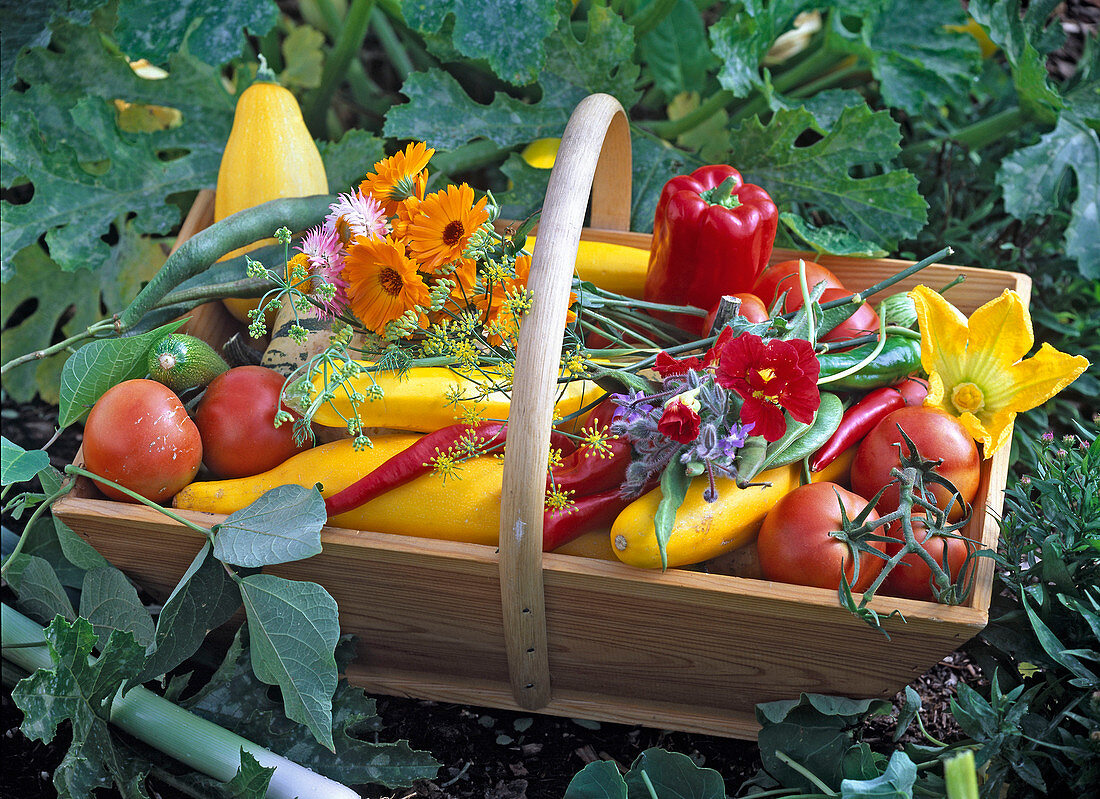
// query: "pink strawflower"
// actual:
[[322, 247], [354, 215]]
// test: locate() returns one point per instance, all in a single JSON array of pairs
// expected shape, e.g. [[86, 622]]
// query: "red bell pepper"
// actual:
[[712, 235]]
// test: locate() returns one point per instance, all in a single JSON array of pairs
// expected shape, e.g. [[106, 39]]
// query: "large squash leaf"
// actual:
[[27, 24], [154, 29]]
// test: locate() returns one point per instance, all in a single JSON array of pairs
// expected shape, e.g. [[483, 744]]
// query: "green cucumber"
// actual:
[[182, 362]]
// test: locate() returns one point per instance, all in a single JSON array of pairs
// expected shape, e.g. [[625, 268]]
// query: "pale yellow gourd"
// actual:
[[270, 154]]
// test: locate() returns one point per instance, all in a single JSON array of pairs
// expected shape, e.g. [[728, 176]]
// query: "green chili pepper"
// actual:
[[899, 357]]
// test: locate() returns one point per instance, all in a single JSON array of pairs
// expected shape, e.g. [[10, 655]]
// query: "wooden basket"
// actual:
[[518, 629]]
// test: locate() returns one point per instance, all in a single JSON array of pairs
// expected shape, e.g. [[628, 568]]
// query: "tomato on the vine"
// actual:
[[936, 435], [795, 545], [783, 277], [912, 577], [236, 418], [139, 435]]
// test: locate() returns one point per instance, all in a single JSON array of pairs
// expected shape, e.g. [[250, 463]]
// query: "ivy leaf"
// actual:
[[251, 779], [894, 783], [18, 465], [101, 364], [205, 598], [236, 700], [348, 160], [1031, 178], [831, 239], [597, 780], [109, 602], [674, 776], [294, 626], [881, 208], [82, 692], [283, 525], [215, 32], [674, 486], [515, 58], [41, 595]]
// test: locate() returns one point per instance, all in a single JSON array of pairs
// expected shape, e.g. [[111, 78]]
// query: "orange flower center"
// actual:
[[967, 397], [390, 281], [452, 234]]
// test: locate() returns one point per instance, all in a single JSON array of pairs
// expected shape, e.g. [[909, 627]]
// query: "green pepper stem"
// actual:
[[722, 194]]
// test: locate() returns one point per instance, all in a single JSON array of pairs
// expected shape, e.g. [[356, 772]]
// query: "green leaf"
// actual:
[[43, 542], [654, 163], [800, 440], [909, 711], [41, 595], [205, 598], [236, 700], [348, 160], [1056, 650], [831, 239], [918, 63], [860, 762], [597, 780], [109, 602], [676, 52], [17, 465], [101, 364], [251, 779], [674, 486], [82, 692], [294, 626], [894, 783], [28, 25], [881, 208], [517, 58], [283, 525], [743, 36], [214, 32], [303, 51], [673, 776], [1031, 179]]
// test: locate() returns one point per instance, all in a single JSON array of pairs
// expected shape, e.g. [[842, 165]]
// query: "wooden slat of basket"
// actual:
[[594, 146]]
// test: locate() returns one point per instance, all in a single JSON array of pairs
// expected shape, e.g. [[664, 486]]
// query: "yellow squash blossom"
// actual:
[[976, 368]]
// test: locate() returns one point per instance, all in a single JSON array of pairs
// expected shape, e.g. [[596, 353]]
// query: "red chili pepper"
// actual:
[[865, 414], [712, 235], [587, 513], [586, 471]]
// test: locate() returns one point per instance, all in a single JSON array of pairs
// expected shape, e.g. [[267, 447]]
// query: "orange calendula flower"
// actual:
[[444, 223], [382, 283], [402, 175], [976, 368]]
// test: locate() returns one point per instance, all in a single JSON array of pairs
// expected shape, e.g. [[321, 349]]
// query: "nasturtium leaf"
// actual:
[[283, 525], [251, 779], [831, 239], [516, 58], [674, 486], [41, 594], [598, 780], [861, 763], [348, 160], [100, 364], [206, 597], [236, 700], [1031, 178], [109, 602], [673, 776], [896, 782], [293, 627], [676, 52], [214, 31], [881, 208], [82, 692], [18, 465]]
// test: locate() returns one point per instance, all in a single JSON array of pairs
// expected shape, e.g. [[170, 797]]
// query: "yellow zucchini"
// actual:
[[613, 267]]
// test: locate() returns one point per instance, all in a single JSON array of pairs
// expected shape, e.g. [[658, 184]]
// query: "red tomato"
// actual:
[[783, 276], [236, 418], [794, 544], [911, 577], [935, 435], [752, 308], [139, 435], [862, 322]]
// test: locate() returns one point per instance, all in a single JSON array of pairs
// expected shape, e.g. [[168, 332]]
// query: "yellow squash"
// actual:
[[703, 530], [612, 267], [420, 400], [270, 154]]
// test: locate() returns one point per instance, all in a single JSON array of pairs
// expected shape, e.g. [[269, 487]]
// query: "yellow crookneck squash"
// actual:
[[270, 154]]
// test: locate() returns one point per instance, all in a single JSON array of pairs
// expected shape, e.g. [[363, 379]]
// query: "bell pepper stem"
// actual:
[[722, 194]]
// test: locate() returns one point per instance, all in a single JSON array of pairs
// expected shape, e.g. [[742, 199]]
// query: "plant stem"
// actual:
[[353, 31], [30, 523], [93, 330], [805, 772], [815, 64], [391, 43], [70, 469], [828, 81], [671, 128], [974, 136], [886, 283]]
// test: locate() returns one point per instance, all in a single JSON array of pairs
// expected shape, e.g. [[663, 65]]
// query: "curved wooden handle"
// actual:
[[598, 121]]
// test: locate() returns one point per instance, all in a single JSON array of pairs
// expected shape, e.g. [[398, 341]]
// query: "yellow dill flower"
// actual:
[[444, 465], [976, 367], [594, 440], [573, 363], [554, 461], [559, 501], [471, 413]]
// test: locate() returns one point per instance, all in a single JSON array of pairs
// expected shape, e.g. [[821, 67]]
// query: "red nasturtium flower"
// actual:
[[679, 422], [666, 365], [771, 377]]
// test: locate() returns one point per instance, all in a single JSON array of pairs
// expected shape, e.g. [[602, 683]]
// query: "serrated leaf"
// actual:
[[517, 59], [654, 163], [109, 602], [82, 692], [251, 779], [101, 364], [1030, 179], [598, 780], [283, 525], [676, 52], [881, 208], [673, 776], [831, 239], [896, 782], [294, 626], [742, 37], [214, 31], [18, 465], [674, 486], [304, 55], [205, 598], [41, 595], [348, 160]]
